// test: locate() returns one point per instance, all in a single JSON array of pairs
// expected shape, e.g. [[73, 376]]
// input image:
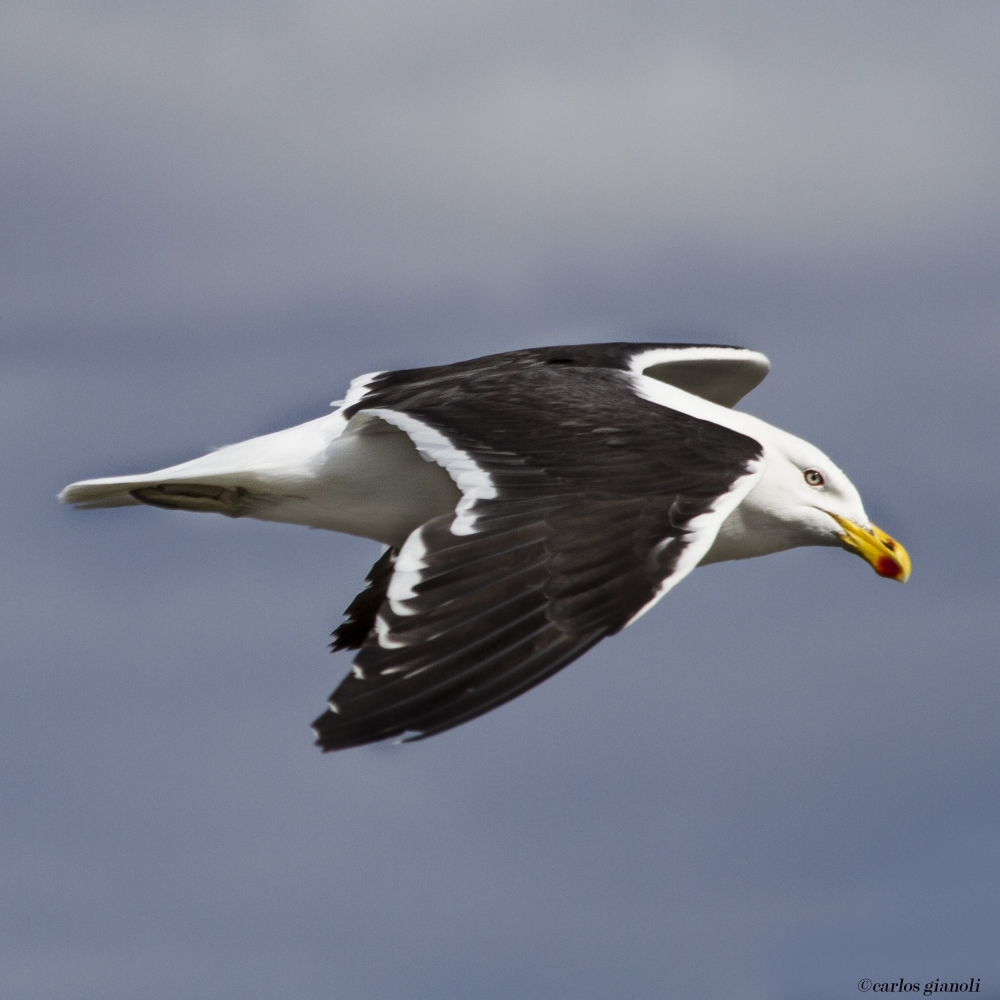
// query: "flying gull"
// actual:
[[531, 504]]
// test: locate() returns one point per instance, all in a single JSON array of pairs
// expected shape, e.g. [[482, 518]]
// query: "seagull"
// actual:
[[530, 504]]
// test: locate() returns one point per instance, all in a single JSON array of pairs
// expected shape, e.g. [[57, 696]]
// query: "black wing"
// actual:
[[582, 504]]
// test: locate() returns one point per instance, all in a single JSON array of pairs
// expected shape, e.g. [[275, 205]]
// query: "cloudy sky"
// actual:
[[782, 781]]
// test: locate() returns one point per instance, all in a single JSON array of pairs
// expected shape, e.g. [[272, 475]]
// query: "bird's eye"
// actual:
[[814, 477]]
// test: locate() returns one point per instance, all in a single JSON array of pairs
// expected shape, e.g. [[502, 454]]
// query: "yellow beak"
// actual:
[[884, 554]]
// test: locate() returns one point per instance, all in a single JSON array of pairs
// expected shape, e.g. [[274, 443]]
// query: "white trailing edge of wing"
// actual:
[[474, 481]]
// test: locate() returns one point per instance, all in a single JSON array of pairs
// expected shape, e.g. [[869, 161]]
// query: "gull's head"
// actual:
[[807, 498]]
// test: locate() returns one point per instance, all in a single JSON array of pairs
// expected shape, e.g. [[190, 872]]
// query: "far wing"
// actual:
[[723, 375], [582, 505]]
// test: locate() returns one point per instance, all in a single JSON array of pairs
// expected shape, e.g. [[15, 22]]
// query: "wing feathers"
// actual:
[[362, 610], [586, 498]]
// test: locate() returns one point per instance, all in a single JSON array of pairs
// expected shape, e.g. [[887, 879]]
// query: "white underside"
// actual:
[[362, 476], [367, 480]]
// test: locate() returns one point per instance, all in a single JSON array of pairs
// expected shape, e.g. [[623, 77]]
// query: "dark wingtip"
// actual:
[[350, 634], [325, 735], [361, 612], [334, 732]]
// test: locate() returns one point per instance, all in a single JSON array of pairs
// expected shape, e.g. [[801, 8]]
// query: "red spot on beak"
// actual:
[[888, 567]]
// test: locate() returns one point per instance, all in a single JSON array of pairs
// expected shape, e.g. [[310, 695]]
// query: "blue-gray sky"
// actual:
[[783, 780]]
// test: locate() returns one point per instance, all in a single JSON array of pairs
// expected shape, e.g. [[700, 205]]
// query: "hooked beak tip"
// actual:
[[881, 551]]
